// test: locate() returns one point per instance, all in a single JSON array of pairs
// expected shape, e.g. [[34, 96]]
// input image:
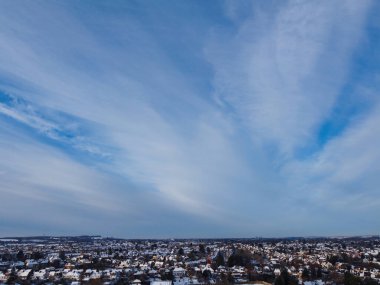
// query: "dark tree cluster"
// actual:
[[240, 258], [285, 279], [350, 279]]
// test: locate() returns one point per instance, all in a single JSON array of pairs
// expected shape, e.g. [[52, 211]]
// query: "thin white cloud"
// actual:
[[58, 131], [165, 135], [285, 67], [344, 173], [170, 148]]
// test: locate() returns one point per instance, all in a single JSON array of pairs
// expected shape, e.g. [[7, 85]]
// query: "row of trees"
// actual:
[[21, 256], [312, 273]]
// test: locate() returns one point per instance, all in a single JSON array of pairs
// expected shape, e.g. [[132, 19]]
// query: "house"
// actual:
[[3, 277], [31, 263], [136, 282], [24, 274], [161, 282], [179, 272], [40, 275]]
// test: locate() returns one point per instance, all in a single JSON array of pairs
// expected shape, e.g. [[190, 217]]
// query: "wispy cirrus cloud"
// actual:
[[164, 135], [57, 127], [284, 68], [144, 115]]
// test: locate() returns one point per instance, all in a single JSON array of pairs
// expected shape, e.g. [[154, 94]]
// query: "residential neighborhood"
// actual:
[[98, 260]]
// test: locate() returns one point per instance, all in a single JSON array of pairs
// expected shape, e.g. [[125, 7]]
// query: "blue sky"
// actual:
[[189, 118]]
